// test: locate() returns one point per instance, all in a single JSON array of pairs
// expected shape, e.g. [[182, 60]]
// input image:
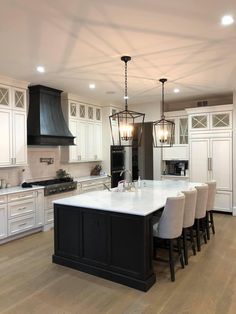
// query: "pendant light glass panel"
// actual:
[[163, 129], [126, 128], [127, 125], [163, 133]]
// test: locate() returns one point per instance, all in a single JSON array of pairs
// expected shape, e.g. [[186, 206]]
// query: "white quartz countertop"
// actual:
[[88, 178], [18, 189], [151, 197]]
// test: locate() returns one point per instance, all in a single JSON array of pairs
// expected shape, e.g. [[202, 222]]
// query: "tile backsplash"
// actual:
[[36, 170]]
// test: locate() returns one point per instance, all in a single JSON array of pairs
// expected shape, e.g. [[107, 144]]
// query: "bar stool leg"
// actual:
[[212, 222], [185, 246], [207, 226], [171, 260], [192, 241], [198, 235], [180, 251]]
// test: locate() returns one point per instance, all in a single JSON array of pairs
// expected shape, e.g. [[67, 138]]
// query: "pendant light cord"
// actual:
[[162, 114], [126, 86]]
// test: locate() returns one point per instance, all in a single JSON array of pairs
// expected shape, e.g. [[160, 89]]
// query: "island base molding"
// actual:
[[111, 245], [113, 276]]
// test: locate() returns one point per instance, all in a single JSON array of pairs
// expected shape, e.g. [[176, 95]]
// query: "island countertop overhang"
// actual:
[[150, 198]]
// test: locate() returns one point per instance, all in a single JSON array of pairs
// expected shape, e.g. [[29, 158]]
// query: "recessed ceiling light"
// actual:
[[126, 97], [92, 86], [40, 69], [176, 90], [227, 20]]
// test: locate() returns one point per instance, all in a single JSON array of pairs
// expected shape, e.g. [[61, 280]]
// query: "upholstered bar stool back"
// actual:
[[189, 207], [211, 195], [202, 196], [171, 222]]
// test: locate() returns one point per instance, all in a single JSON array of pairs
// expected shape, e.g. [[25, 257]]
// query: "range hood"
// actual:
[[46, 124]]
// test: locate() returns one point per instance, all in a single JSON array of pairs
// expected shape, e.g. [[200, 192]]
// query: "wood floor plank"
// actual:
[[30, 283]]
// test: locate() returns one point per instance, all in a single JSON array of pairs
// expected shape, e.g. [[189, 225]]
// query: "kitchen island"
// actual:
[[109, 234]]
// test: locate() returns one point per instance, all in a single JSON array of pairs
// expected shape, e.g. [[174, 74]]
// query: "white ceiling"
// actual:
[[81, 42]]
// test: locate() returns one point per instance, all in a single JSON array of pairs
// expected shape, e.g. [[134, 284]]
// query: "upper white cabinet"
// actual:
[[85, 123], [210, 118], [13, 144], [179, 150]]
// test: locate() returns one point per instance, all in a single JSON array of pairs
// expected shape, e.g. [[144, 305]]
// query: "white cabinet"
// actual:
[[39, 210], [211, 159], [85, 123], [6, 137], [213, 118], [3, 221], [19, 148], [13, 145], [180, 148]]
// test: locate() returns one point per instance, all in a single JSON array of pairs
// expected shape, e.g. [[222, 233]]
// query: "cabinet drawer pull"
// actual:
[[23, 224], [21, 208]]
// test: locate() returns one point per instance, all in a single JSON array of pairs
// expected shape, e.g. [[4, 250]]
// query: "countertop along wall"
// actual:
[[35, 170]]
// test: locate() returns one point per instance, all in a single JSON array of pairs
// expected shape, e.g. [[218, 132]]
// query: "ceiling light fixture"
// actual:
[[227, 20], [126, 126], [92, 86], [40, 69], [163, 130], [176, 90]]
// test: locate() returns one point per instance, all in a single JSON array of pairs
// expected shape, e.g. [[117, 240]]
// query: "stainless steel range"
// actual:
[[56, 186]]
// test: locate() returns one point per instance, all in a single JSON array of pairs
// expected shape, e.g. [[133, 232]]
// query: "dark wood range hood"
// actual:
[[46, 124]]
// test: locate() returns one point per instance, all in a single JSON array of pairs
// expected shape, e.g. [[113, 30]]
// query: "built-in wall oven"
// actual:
[[117, 164]]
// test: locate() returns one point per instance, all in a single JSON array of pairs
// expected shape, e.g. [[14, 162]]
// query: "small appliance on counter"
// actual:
[[96, 170]]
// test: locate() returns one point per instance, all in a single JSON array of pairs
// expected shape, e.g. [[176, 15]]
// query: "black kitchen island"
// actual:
[[109, 234]]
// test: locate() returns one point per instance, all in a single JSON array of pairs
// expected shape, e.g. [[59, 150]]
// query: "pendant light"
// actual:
[[126, 126], [163, 130]]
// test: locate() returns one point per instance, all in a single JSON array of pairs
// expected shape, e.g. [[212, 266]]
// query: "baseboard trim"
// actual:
[[234, 211], [222, 212]]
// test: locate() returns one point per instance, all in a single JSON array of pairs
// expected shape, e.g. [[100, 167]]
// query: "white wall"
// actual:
[[35, 170]]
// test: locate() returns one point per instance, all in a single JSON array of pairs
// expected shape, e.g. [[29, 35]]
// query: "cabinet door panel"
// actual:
[[3, 221], [221, 152], [6, 137], [73, 150], [98, 141], [82, 136], [19, 138], [199, 150], [90, 142]]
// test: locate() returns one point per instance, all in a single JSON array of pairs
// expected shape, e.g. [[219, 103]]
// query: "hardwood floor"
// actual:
[[30, 283]]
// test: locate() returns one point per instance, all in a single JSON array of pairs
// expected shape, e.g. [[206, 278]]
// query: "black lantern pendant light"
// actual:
[[126, 126], [163, 130]]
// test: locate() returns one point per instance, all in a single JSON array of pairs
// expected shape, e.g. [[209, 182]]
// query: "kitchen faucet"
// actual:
[[130, 177]]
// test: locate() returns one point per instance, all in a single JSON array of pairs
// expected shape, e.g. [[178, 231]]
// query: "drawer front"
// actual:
[[3, 199], [49, 199], [49, 216], [19, 208], [19, 225], [21, 196]]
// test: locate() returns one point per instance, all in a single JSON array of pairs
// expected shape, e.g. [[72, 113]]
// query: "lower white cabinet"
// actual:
[[21, 224], [21, 212], [94, 185], [3, 221], [48, 208]]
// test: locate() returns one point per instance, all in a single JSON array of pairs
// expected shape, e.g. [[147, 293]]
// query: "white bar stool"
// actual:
[[170, 228]]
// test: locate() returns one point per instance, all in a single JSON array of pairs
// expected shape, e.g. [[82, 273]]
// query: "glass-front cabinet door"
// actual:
[[221, 120], [19, 99], [199, 122], [183, 130], [4, 96]]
